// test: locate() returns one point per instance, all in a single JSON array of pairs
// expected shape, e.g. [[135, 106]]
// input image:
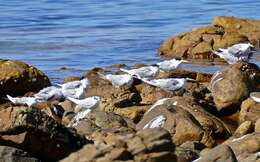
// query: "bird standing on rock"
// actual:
[[235, 53], [29, 101], [87, 103], [118, 81], [170, 65], [75, 84], [169, 84], [147, 72], [50, 93], [75, 89]]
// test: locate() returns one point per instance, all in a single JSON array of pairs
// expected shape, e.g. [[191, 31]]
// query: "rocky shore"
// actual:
[[213, 118]]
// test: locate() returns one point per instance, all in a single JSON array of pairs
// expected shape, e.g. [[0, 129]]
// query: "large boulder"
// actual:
[[180, 123], [208, 121], [37, 133], [224, 32], [18, 78], [233, 84]]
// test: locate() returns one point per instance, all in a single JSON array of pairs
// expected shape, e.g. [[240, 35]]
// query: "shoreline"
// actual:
[[210, 117]]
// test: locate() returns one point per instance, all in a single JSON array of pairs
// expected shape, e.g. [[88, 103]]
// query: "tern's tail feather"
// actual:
[[222, 49], [10, 98], [102, 76], [59, 85], [124, 70], [148, 82], [73, 100]]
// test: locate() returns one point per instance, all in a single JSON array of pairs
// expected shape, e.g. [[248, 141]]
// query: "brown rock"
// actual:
[[147, 145], [18, 78], [245, 145], [226, 31], [232, 85], [151, 94], [220, 153], [257, 126], [250, 111], [179, 122], [70, 79], [117, 66], [155, 157], [201, 50], [150, 140], [100, 121], [38, 134], [229, 39], [185, 155], [244, 128], [208, 121], [8, 154], [105, 153]]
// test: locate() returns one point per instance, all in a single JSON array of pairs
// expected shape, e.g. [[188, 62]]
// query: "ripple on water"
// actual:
[[84, 34]]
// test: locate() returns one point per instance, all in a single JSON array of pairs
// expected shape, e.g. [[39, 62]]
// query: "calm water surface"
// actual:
[[80, 34]]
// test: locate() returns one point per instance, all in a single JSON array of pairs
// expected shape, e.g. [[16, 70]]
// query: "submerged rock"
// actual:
[[37, 133], [18, 78]]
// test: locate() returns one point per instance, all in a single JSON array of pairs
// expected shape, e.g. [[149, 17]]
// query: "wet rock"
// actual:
[[250, 111], [70, 79], [179, 122], [232, 85], [9, 154], [37, 133], [224, 32], [18, 78], [220, 153], [117, 66], [93, 72], [138, 65]]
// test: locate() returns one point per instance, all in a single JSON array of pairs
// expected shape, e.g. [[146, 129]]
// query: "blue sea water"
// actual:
[[80, 34]]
